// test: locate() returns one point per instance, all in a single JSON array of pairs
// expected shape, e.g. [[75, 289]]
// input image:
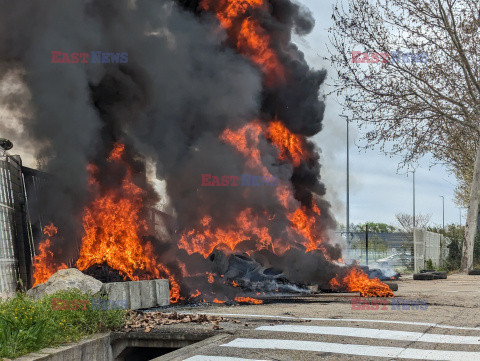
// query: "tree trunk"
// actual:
[[472, 217]]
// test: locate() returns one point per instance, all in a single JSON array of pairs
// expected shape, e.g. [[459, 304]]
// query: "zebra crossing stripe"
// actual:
[[375, 334], [356, 350], [218, 358], [428, 324]]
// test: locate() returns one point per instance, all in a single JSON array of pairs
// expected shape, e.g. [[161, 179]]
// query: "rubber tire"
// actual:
[[440, 275], [423, 277], [437, 275], [474, 272], [393, 286]]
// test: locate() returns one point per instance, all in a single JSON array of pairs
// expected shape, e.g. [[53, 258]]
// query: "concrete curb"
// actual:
[[95, 348]]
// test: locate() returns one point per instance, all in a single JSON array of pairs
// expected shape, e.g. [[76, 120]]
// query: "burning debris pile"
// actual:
[[358, 281], [212, 87]]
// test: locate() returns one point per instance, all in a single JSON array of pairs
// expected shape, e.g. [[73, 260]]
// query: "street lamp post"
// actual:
[[348, 184], [348, 178], [414, 220], [443, 211]]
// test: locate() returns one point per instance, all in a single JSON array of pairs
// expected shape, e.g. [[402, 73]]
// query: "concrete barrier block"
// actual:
[[162, 290], [118, 292], [148, 294], [134, 295]]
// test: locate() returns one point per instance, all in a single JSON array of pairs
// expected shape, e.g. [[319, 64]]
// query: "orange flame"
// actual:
[[113, 229], [210, 277], [217, 301], [245, 140], [195, 294], [251, 39], [117, 152], [252, 301], [206, 238], [44, 264], [290, 145], [357, 281]]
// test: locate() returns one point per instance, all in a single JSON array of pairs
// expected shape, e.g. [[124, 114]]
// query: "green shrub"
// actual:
[[28, 325], [429, 265]]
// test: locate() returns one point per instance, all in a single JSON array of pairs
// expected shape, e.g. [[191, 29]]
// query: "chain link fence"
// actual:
[[384, 250], [404, 252]]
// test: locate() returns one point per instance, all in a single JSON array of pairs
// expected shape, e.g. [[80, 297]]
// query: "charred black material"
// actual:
[[104, 274]]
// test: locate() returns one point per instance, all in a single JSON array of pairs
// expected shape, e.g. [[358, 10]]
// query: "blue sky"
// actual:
[[377, 190]]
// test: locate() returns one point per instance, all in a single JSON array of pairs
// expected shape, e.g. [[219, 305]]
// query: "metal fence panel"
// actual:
[[429, 246], [389, 250], [8, 261]]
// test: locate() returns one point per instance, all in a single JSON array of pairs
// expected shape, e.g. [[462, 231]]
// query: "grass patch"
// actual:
[[28, 325]]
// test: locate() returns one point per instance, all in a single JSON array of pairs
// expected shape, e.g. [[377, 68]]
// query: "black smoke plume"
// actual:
[[183, 85]]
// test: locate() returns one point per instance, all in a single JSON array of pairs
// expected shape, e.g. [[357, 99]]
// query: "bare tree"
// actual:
[[408, 106], [406, 221]]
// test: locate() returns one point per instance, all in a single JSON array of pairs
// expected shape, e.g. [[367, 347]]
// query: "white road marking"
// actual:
[[375, 333], [357, 350], [218, 358], [428, 324]]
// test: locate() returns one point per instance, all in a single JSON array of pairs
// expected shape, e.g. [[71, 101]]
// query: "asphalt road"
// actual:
[[329, 327]]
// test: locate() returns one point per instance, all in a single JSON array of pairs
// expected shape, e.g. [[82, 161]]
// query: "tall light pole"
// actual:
[[348, 100], [348, 183], [443, 212], [348, 177], [414, 220]]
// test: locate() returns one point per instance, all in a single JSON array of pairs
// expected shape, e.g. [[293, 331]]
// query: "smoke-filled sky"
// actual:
[[377, 191]]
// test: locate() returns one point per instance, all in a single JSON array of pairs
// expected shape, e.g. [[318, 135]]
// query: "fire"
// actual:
[[117, 152], [289, 145], [113, 228], [44, 264], [245, 140], [207, 237], [357, 281], [211, 279], [252, 301], [250, 37], [252, 41], [305, 226], [217, 301], [195, 294]]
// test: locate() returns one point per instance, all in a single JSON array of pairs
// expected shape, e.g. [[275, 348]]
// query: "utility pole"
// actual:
[[414, 221], [366, 243], [348, 178], [348, 184], [348, 101], [443, 211]]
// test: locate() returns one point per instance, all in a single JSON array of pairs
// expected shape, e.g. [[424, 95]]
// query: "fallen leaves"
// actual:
[[147, 321]]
